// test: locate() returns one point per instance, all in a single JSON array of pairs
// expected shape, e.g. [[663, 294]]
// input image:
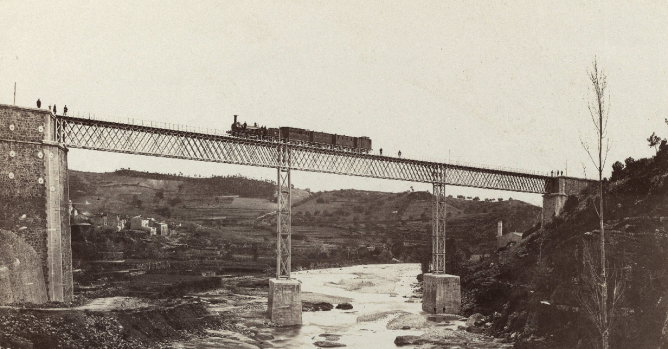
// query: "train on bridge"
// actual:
[[301, 136]]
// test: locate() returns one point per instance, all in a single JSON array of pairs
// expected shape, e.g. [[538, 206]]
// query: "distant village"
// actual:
[[116, 223]]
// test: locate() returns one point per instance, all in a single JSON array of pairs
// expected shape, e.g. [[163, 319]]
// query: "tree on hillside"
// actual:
[[596, 299], [617, 169], [654, 141]]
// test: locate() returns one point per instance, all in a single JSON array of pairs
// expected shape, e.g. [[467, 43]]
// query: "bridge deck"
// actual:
[[156, 141]]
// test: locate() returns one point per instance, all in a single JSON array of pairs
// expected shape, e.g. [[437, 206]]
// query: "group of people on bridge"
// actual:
[[381, 152], [54, 110]]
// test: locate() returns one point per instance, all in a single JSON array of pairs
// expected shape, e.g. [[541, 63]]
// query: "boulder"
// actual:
[[328, 344], [409, 340], [475, 320], [264, 336], [321, 306], [344, 306], [474, 329]]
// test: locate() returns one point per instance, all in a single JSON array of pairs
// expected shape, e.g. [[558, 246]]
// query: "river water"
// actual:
[[371, 289]]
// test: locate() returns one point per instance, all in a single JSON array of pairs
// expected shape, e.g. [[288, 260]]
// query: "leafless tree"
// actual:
[[591, 296], [598, 106]]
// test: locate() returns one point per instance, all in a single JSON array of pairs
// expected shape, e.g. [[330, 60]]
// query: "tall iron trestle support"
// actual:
[[283, 215], [441, 292], [284, 304], [438, 229]]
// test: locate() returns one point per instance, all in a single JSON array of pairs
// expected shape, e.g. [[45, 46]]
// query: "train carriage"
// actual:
[[295, 135], [272, 134], [344, 142], [322, 139], [363, 144]]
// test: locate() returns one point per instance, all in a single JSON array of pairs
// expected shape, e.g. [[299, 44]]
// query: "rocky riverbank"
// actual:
[[149, 326]]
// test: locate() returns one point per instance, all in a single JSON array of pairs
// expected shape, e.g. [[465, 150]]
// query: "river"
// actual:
[[383, 308]]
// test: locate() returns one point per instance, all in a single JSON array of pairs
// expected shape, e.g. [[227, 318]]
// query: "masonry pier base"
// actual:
[[442, 294], [285, 302]]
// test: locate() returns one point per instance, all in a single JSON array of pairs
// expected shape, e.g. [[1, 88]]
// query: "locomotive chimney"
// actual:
[[235, 119]]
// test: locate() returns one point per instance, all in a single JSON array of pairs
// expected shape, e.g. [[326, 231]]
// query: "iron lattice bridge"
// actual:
[[145, 140], [157, 141]]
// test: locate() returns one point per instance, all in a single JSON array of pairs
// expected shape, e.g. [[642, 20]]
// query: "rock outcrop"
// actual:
[[21, 278]]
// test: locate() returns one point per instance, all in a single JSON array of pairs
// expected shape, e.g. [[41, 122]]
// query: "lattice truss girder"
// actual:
[[438, 228], [283, 216], [143, 140]]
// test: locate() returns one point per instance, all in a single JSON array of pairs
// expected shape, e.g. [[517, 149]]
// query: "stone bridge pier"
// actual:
[[35, 249], [558, 191]]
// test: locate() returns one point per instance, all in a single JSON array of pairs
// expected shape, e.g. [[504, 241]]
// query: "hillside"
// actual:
[[401, 220], [329, 228], [131, 193], [535, 291]]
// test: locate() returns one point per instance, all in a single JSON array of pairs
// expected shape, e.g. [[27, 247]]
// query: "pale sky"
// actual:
[[495, 83]]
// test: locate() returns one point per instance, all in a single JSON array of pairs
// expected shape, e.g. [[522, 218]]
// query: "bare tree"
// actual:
[[598, 110], [592, 296]]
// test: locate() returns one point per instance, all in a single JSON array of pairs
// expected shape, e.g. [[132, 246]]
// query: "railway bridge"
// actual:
[[34, 198]]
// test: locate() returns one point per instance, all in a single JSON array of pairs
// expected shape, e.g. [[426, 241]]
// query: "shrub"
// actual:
[[629, 161], [617, 169]]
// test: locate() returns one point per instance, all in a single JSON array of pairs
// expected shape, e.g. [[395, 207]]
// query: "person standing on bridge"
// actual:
[[399, 153], [65, 110], [39, 103], [381, 151], [54, 109]]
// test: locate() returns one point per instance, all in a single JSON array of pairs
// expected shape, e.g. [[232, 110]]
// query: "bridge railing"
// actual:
[[149, 123]]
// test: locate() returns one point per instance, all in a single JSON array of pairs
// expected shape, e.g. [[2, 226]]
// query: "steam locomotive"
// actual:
[[301, 136]]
